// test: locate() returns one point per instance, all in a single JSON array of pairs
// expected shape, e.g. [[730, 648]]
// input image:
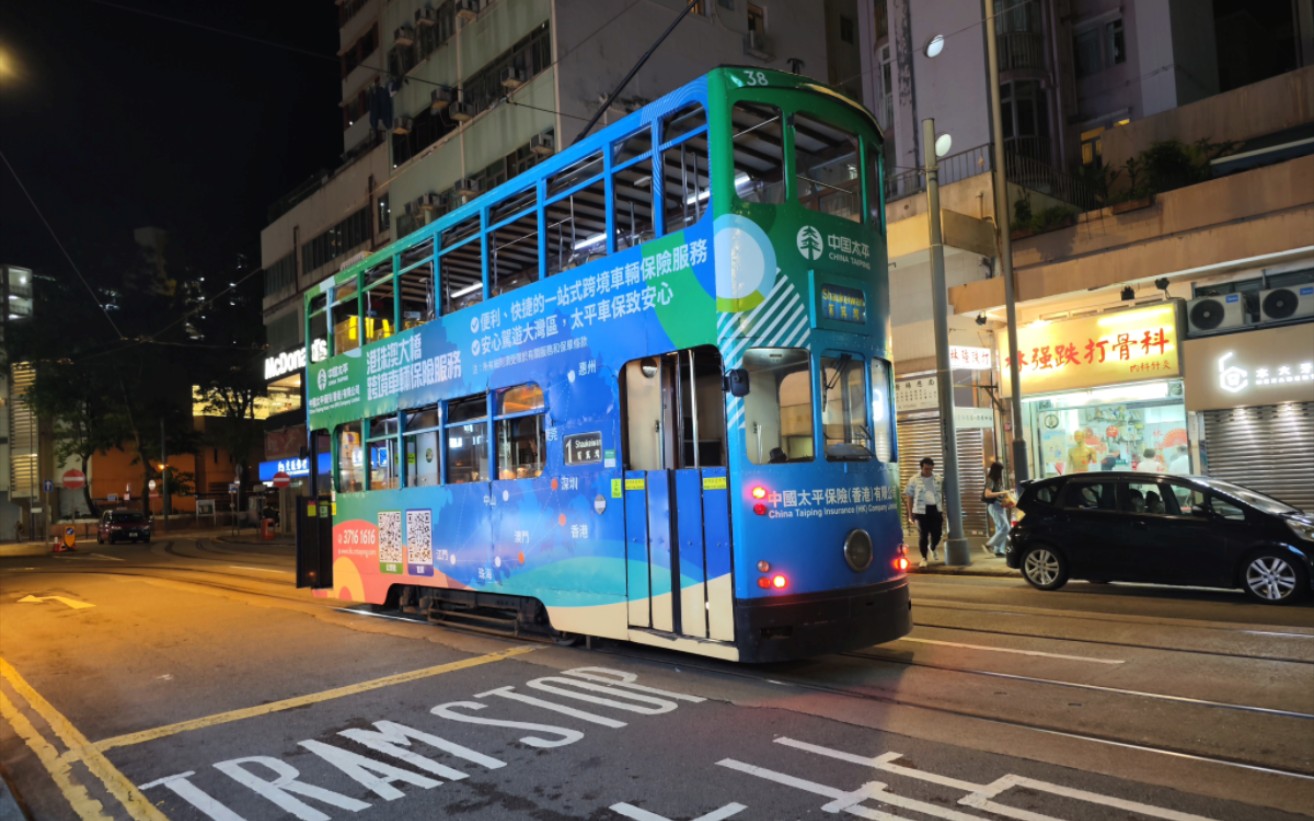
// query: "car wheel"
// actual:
[[1045, 568], [1272, 578]]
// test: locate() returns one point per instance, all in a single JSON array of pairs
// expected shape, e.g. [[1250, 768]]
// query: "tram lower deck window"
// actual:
[[778, 407]]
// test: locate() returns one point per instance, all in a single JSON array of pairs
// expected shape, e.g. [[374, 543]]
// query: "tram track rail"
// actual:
[[779, 675]]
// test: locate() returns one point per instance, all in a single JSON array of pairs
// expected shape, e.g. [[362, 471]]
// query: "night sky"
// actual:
[[192, 117]]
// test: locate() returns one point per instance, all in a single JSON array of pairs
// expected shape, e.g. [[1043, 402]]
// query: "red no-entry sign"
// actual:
[[281, 479], [73, 479]]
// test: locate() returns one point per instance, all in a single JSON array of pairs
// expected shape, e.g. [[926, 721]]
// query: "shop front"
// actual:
[[1104, 392], [1253, 396], [917, 401]]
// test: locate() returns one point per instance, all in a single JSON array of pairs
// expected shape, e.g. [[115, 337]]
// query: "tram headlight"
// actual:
[[759, 492], [779, 581], [857, 550]]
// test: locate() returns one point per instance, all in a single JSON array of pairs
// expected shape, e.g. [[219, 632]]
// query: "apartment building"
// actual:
[[1160, 168], [443, 100]]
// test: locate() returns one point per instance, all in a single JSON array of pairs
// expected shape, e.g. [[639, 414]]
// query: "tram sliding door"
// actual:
[[676, 496]]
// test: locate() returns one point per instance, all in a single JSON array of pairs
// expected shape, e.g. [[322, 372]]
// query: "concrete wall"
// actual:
[[1255, 110], [1266, 213]]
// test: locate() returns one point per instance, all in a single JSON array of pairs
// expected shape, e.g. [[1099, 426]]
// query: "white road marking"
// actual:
[[1018, 652], [73, 603], [979, 796], [631, 811], [108, 556], [259, 569]]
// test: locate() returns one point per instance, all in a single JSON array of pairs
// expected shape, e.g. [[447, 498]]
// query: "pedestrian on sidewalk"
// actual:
[[994, 496], [925, 496]]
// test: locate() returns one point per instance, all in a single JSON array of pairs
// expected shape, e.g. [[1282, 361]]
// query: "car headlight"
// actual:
[[1301, 529]]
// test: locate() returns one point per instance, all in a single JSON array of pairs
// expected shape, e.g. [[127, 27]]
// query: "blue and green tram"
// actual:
[[641, 391]]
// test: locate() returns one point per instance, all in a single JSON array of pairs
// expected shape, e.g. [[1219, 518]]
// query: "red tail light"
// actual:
[[901, 564]]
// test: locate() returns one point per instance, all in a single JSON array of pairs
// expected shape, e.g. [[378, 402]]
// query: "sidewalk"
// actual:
[[983, 564], [245, 535]]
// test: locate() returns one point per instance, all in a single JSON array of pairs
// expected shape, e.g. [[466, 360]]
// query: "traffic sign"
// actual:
[[47, 486], [234, 487], [281, 479], [74, 478]]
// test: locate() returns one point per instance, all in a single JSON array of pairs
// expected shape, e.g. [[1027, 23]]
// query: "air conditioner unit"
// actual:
[[1212, 314], [512, 77], [432, 202], [467, 10], [402, 125], [757, 44], [1282, 304], [426, 16], [405, 35], [464, 190], [440, 98], [543, 143], [460, 111]]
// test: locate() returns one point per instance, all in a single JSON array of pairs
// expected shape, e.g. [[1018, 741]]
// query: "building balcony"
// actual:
[[1021, 51]]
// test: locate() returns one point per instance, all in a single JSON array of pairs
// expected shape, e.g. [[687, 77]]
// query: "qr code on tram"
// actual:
[[390, 537], [419, 537]]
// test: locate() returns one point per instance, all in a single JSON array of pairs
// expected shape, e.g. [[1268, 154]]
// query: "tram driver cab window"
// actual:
[[778, 407]]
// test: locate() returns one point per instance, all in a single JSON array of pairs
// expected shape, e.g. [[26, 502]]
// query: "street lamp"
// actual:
[[956, 550]]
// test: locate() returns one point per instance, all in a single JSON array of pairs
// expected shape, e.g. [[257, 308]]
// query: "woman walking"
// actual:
[[993, 495]]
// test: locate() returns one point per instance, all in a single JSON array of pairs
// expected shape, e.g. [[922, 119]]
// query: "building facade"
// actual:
[[443, 100], [1159, 158]]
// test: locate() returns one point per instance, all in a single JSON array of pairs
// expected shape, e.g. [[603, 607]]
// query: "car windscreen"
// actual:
[[125, 517], [1259, 501]]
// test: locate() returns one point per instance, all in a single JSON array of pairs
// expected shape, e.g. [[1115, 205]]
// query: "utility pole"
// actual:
[[999, 179], [165, 507], [956, 551]]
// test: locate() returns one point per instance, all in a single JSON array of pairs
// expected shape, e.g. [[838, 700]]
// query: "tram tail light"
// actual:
[[901, 564], [759, 509], [764, 583]]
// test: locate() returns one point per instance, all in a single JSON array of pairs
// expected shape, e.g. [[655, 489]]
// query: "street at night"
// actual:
[[185, 679]]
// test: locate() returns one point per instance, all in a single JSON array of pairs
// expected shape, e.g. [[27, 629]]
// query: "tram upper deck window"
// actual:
[[380, 302], [415, 284], [826, 170], [876, 186], [686, 184], [346, 317], [844, 408], [461, 265], [759, 152], [778, 407]]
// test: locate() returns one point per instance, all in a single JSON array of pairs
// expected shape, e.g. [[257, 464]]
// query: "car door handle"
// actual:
[[1141, 524]]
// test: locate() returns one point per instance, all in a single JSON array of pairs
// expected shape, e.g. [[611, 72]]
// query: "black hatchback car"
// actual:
[[1145, 527]]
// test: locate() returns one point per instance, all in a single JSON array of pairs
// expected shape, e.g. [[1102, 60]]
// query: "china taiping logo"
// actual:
[[322, 380], [809, 242]]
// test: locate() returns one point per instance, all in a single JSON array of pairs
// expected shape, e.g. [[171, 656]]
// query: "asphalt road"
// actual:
[[188, 679]]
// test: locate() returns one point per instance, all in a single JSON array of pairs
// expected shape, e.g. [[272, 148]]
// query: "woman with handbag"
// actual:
[[994, 496]]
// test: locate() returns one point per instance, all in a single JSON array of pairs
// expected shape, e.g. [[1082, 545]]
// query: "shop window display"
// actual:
[[1136, 428]]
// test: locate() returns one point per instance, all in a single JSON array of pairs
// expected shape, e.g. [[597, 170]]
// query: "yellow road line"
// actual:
[[87, 808], [302, 701], [80, 749]]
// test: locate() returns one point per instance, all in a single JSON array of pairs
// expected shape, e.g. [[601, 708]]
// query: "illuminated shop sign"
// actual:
[[294, 360], [1107, 349], [969, 359], [294, 467], [1251, 368]]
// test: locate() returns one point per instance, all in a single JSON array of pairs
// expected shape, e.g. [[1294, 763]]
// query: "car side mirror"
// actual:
[[1201, 512]]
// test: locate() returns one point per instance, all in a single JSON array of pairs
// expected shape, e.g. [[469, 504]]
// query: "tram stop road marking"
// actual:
[[91, 754], [73, 603]]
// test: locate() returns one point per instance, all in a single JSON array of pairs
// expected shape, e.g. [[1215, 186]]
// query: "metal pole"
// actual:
[[164, 478], [956, 551], [1021, 467]]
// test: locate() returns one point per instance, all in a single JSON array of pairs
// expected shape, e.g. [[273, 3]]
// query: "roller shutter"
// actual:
[[1269, 449], [919, 436]]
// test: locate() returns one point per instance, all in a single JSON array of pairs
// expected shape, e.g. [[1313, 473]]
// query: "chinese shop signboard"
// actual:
[[1090, 351]]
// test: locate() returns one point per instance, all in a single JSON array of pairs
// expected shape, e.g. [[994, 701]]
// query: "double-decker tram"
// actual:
[[641, 391]]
